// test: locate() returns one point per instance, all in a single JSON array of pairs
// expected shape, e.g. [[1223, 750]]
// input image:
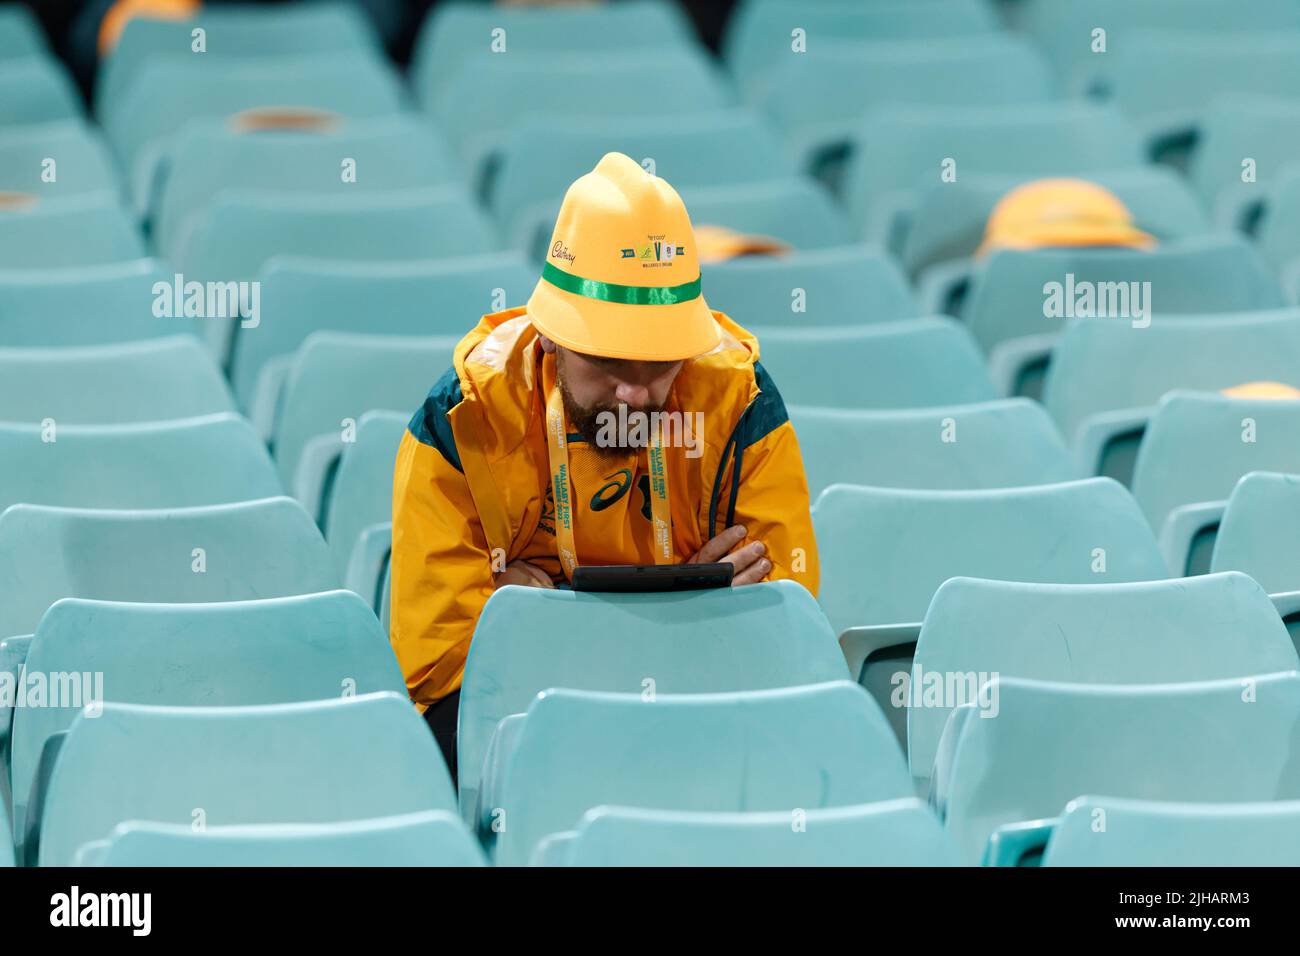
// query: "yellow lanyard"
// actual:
[[558, 449]]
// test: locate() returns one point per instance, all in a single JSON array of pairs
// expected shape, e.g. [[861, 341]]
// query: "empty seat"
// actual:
[[377, 155], [309, 647], [36, 89], [1208, 742], [797, 211], [526, 640], [1259, 529], [238, 552], [318, 762], [88, 305], [20, 34], [998, 444], [1155, 833], [427, 838], [1277, 237], [359, 516], [849, 285], [1106, 376], [1240, 135], [55, 159], [1015, 317], [301, 296], [111, 384], [1190, 629], [174, 464], [802, 748], [1195, 448], [907, 364], [85, 230], [336, 378], [890, 833]]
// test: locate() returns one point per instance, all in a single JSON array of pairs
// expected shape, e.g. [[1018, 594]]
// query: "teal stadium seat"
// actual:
[[527, 640], [20, 34], [388, 154], [844, 286], [112, 384], [817, 98], [55, 159], [301, 296], [1277, 236], [1007, 304], [7, 859], [87, 305], [458, 31], [36, 89], [237, 552], [1217, 741], [1240, 134], [1155, 833], [905, 364], [899, 151], [759, 31], [423, 839], [1000, 444], [1195, 448], [86, 230], [336, 378], [540, 156], [889, 833], [1106, 376], [320, 762], [191, 461], [1258, 532], [802, 748], [797, 211], [1191, 629]]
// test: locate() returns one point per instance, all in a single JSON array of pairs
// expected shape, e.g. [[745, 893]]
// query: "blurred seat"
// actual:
[[848, 285], [20, 34], [318, 762], [797, 211], [85, 230], [55, 159], [301, 296], [1207, 742], [1107, 376], [426, 838], [1191, 629], [1277, 234], [237, 552], [111, 384], [1241, 134], [1258, 531], [907, 364], [36, 89], [890, 833], [998, 444], [802, 748], [335, 378], [527, 640]]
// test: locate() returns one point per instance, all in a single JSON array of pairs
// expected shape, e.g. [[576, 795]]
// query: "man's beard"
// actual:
[[590, 421]]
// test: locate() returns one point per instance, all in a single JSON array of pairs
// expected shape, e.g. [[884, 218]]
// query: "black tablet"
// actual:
[[652, 577]]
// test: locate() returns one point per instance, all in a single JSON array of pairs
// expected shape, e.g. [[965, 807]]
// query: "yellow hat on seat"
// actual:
[[1061, 212], [622, 274]]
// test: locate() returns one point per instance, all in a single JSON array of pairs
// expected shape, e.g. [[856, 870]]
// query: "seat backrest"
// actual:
[[1276, 238], [823, 745], [191, 461], [317, 762], [1208, 742], [427, 838], [363, 485], [999, 444], [798, 212], [1235, 128], [1259, 529], [885, 551], [89, 229], [1187, 629], [901, 832], [526, 640], [238, 552], [1009, 295], [1101, 365], [20, 34], [1111, 831], [847, 285], [69, 151], [112, 384], [905, 364], [275, 651], [36, 89]]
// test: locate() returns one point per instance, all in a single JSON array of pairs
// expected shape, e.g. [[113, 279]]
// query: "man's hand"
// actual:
[[751, 566], [523, 573]]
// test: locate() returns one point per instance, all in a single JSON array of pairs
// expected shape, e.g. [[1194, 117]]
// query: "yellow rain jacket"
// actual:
[[472, 487]]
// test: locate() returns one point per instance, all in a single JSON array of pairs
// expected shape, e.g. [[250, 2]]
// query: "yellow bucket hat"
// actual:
[[622, 274], [1063, 213]]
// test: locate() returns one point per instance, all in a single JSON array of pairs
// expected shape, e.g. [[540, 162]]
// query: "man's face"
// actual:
[[594, 387]]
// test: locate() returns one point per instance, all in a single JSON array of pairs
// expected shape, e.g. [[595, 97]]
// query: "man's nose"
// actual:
[[632, 395]]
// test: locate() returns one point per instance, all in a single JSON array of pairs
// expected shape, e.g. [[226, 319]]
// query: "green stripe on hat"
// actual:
[[626, 294]]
